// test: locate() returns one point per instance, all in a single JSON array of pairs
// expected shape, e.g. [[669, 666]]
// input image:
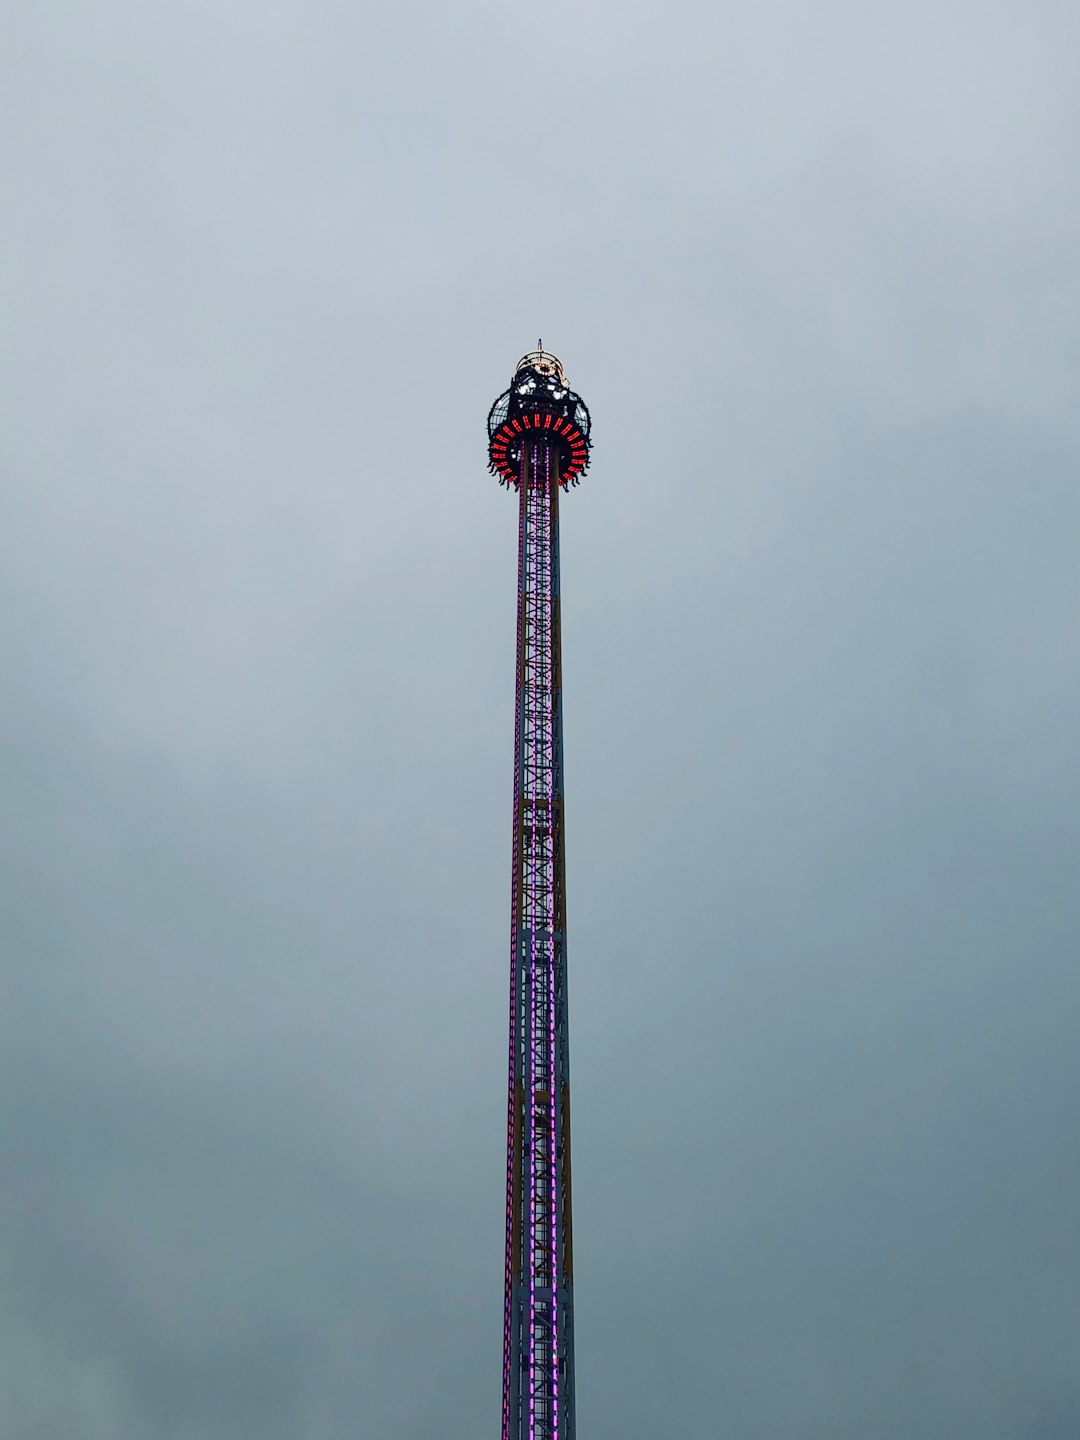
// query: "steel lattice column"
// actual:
[[538, 444], [538, 1368]]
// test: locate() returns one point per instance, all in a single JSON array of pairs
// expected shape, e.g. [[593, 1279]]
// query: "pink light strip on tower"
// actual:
[[529, 479], [513, 1159], [552, 1191]]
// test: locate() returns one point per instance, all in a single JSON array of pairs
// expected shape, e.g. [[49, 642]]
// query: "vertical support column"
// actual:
[[564, 1254], [538, 1401]]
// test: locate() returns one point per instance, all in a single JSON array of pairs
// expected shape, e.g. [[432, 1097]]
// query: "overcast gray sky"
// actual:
[[814, 268]]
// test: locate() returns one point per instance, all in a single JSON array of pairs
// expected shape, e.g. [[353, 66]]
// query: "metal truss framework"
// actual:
[[538, 1341]]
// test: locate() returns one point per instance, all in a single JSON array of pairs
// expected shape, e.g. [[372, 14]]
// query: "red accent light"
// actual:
[[547, 421], [517, 425]]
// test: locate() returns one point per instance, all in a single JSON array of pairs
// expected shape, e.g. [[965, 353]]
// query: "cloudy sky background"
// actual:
[[814, 268]]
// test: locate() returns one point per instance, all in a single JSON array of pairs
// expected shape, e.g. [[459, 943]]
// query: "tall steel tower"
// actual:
[[538, 441]]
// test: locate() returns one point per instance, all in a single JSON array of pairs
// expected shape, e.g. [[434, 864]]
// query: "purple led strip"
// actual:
[[541, 752], [549, 540], [530, 478], [513, 1155], [542, 1045]]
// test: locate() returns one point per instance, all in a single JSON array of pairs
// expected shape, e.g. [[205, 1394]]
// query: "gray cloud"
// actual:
[[813, 269]]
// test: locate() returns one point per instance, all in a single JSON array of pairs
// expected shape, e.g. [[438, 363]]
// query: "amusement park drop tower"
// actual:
[[538, 443]]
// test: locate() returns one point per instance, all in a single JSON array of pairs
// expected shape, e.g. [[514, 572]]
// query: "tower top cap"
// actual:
[[544, 363]]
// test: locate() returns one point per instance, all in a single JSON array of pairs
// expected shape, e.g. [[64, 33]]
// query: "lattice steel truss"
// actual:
[[538, 1340]]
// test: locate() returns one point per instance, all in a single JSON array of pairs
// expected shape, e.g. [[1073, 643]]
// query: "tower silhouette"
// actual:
[[538, 444]]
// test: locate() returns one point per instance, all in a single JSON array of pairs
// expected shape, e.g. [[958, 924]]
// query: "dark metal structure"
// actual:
[[538, 444]]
